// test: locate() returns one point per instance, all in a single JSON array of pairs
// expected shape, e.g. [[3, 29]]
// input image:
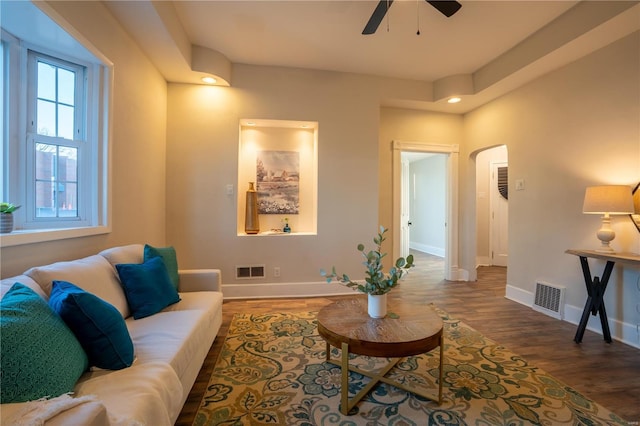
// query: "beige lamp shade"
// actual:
[[611, 199]]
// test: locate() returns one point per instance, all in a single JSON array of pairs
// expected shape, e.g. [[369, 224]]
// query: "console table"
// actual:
[[345, 324], [597, 286]]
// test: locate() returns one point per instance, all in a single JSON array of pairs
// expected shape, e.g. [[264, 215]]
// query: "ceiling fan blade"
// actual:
[[377, 16], [447, 8]]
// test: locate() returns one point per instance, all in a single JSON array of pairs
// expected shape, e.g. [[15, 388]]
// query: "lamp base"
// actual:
[[605, 235]]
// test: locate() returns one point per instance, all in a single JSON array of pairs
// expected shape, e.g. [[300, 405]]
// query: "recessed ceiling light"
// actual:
[[250, 123], [454, 100], [304, 126], [209, 80]]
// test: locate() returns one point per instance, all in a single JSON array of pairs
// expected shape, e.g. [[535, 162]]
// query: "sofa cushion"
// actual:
[[132, 253], [7, 283], [147, 286], [187, 330], [40, 355], [170, 259], [93, 274], [97, 325]]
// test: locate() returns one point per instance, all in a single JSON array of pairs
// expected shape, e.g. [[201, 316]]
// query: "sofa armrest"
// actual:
[[200, 280]]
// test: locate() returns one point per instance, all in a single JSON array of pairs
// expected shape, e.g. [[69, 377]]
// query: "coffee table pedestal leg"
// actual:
[[346, 405]]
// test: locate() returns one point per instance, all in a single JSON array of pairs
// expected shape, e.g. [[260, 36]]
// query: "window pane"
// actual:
[[65, 122], [46, 81], [45, 157], [46, 118], [67, 164], [45, 199], [68, 200], [66, 86]]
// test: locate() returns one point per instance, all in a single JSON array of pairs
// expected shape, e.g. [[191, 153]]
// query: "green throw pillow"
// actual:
[[147, 287], [40, 355], [168, 255]]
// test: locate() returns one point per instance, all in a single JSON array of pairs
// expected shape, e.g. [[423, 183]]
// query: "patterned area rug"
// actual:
[[272, 370]]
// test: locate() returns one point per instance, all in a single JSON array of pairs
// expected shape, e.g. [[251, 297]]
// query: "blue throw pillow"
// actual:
[[40, 355], [147, 286], [168, 255], [97, 324]]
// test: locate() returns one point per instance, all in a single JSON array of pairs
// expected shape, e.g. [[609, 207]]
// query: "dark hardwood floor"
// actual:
[[606, 373]]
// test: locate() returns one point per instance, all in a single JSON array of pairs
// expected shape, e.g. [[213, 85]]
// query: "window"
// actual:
[[54, 129], [55, 139]]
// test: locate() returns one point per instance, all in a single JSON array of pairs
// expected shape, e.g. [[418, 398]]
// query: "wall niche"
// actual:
[[281, 157]]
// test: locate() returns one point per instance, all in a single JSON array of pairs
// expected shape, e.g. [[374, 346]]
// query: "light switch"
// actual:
[[519, 184], [230, 189]]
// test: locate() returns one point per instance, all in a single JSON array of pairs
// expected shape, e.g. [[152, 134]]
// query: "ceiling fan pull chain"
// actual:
[[387, 14], [418, 17]]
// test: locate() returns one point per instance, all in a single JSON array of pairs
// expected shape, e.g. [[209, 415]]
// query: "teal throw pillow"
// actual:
[[147, 286], [168, 255], [98, 325], [40, 355]]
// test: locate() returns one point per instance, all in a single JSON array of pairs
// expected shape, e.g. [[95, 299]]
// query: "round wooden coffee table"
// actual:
[[345, 324]]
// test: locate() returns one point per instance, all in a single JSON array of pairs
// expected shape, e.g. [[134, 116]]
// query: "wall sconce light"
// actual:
[[607, 200]]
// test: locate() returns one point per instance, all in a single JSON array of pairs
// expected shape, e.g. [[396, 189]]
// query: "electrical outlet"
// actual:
[[276, 271]]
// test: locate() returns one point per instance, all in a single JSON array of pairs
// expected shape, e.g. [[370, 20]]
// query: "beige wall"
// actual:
[[575, 127], [138, 146], [202, 152]]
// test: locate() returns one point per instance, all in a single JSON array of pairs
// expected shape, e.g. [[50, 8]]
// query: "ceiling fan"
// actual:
[[446, 7]]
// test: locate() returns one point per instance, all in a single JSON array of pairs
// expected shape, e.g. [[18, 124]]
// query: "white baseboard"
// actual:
[[425, 248], [275, 290], [483, 261], [620, 331]]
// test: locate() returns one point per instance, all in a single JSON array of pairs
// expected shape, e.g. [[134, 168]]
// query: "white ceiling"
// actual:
[[327, 35], [497, 45]]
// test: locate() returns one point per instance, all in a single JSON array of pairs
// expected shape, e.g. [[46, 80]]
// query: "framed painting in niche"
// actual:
[[281, 157], [278, 182]]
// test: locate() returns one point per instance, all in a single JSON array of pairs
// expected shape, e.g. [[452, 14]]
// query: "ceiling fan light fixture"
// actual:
[[454, 100]]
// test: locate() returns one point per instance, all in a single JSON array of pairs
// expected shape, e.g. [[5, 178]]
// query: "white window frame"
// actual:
[[17, 173], [80, 143]]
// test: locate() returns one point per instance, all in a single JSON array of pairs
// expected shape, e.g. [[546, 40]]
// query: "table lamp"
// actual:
[[607, 200]]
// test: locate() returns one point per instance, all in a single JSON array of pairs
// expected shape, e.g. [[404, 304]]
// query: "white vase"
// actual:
[[377, 305]]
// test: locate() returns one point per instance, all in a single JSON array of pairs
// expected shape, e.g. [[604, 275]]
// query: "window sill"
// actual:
[[30, 236]]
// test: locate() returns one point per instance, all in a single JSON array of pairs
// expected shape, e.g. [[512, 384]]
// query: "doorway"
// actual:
[[492, 207], [499, 223], [401, 205]]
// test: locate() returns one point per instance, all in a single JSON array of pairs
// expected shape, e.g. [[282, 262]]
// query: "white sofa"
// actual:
[[169, 347]]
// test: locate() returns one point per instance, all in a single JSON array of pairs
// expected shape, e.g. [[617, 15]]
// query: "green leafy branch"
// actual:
[[377, 282]]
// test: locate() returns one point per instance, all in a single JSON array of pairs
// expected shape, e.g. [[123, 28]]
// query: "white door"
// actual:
[[405, 236], [499, 224]]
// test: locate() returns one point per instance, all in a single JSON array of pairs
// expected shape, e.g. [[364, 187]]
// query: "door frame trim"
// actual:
[[452, 269]]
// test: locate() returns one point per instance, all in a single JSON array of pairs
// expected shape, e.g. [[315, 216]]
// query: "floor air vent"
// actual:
[[549, 299]]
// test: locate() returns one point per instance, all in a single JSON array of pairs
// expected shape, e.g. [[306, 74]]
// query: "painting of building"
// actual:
[[278, 182]]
